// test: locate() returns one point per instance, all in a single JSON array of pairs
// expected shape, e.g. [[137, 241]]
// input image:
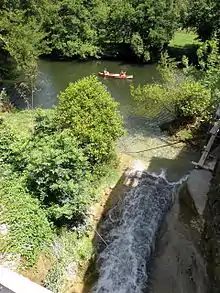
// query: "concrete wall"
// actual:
[[11, 282], [211, 233]]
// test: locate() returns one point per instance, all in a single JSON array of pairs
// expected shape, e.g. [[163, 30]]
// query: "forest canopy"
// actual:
[[134, 29]]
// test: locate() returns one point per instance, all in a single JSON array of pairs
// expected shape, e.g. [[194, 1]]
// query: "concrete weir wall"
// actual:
[[11, 282], [202, 194], [211, 232], [198, 185]]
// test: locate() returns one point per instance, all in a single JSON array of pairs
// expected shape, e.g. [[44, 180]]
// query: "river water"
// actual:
[[143, 137], [177, 265]]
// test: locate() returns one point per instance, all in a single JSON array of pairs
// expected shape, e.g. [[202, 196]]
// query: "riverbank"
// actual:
[[52, 173], [59, 268], [61, 263]]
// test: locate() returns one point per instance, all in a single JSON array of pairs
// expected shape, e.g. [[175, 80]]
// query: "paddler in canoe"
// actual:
[[106, 72], [123, 73]]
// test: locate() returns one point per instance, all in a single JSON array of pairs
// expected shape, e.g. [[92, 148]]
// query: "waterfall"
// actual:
[[130, 230]]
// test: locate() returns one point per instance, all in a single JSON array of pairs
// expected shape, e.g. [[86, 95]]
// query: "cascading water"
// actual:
[[130, 230]]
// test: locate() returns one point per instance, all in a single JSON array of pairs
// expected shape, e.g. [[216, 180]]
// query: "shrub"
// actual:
[[44, 122], [7, 138], [29, 229], [184, 94], [86, 107], [194, 100], [5, 105], [187, 99], [58, 174], [10, 145]]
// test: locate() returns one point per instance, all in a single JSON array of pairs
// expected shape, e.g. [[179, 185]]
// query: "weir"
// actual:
[[130, 231]]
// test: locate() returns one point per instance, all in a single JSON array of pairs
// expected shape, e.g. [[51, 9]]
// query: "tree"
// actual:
[[181, 96], [21, 40], [86, 107], [70, 30], [204, 16], [155, 22]]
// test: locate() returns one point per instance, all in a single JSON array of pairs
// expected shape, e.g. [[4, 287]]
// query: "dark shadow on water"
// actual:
[[174, 169]]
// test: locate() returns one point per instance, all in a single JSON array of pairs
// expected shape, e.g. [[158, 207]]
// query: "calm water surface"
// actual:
[[55, 77]]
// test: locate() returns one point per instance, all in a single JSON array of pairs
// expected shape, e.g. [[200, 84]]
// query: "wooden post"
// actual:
[[207, 149]]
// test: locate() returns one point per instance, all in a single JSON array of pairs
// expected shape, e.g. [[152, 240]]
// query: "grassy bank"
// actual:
[[55, 165], [61, 260], [184, 38], [184, 43]]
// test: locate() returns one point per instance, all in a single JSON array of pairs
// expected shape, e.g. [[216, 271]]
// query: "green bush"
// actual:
[[194, 100], [58, 174], [44, 122], [7, 138], [183, 94], [29, 229], [86, 107], [10, 145], [187, 99]]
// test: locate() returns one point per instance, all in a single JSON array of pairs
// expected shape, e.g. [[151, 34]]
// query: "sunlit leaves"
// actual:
[[87, 108]]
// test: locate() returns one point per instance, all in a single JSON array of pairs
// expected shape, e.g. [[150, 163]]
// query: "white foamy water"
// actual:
[[130, 231]]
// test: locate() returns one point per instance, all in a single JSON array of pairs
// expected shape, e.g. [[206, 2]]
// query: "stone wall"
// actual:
[[211, 233]]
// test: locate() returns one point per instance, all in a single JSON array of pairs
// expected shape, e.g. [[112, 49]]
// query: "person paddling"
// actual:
[[106, 72], [122, 73]]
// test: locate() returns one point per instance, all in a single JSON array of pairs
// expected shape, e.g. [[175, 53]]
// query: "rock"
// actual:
[[4, 229], [71, 271], [10, 260]]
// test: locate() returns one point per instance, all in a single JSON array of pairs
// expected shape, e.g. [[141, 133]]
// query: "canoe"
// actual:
[[115, 75]]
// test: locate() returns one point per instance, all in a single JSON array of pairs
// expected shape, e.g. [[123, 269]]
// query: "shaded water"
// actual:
[[131, 232]]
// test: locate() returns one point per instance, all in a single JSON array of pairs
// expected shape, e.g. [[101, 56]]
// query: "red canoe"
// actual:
[[115, 75]]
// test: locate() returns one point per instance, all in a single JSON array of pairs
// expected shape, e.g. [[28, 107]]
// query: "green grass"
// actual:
[[21, 121], [183, 38], [184, 43]]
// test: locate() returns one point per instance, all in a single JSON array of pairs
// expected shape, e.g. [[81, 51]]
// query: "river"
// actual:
[[177, 266], [143, 136]]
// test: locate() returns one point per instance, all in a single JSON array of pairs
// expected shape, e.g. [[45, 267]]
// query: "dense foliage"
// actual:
[[138, 30], [187, 94], [189, 99], [204, 16], [29, 231], [57, 173], [50, 175], [87, 108], [80, 29]]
